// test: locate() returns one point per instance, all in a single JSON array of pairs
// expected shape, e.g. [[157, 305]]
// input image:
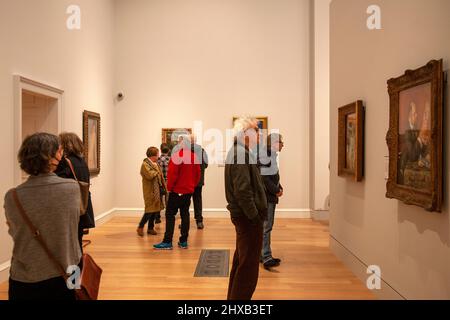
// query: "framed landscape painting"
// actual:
[[351, 141], [91, 141], [415, 137]]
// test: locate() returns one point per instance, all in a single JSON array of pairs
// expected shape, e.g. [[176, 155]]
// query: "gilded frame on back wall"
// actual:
[[415, 137], [351, 141], [91, 141]]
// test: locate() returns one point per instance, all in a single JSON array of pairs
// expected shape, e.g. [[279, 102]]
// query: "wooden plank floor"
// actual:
[[133, 270]]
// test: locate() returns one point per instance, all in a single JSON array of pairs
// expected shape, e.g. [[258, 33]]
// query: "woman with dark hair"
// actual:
[[73, 154], [52, 205]]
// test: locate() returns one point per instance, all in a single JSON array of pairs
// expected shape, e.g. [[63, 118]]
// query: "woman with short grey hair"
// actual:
[[52, 204]]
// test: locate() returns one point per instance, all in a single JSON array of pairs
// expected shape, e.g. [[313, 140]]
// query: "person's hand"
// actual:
[[280, 194]]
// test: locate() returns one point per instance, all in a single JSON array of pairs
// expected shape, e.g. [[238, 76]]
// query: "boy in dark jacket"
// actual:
[[202, 158], [271, 176]]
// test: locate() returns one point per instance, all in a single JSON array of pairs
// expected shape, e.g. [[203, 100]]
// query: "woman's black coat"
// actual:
[[87, 220]]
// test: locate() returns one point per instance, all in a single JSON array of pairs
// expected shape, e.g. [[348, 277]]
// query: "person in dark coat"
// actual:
[[271, 177], [73, 151], [202, 158], [247, 204]]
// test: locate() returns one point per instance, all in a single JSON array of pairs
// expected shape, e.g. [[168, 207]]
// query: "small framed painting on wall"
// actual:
[[351, 141], [91, 141]]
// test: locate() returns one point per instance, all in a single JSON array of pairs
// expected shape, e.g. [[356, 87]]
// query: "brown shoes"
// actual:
[[140, 232]]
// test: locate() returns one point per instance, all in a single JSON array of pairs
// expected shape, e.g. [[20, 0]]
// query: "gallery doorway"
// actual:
[[38, 108]]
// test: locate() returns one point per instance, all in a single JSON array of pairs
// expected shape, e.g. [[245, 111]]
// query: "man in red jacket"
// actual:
[[183, 176]]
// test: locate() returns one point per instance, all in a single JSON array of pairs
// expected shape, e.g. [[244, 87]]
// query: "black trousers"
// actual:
[[245, 270], [198, 204], [52, 289], [149, 217], [175, 203]]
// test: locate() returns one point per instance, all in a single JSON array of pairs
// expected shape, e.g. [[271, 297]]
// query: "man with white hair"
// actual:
[[247, 203], [183, 176]]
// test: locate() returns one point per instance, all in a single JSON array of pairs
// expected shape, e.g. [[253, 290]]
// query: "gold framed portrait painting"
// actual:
[[91, 141], [415, 137]]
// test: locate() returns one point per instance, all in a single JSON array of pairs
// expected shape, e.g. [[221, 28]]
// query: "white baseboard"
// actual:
[[104, 217], [359, 268], [223, 213], [320, 215], [4, 271]]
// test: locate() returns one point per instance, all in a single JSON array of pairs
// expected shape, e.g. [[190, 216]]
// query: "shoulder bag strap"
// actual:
[[71, 168], [37, 235]]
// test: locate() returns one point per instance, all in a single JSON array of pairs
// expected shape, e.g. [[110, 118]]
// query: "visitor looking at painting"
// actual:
[[73, 156], [153, 187], [270, 173]]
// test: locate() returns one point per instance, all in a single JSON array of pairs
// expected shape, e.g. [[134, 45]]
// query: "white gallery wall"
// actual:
[[179, 61], [36, 44], [410, 245]]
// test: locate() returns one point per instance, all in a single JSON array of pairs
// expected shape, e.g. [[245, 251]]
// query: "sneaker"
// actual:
[[163, 246], [152, 232], [140, 232], [200, 225], [183, 245], [270, 264]]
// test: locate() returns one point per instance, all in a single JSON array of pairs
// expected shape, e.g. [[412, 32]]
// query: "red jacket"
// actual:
[[183, 174]]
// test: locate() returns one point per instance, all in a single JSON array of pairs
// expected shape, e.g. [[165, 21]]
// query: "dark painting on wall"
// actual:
[[171, 136], [91, 141], [415, 137], [351, 141]]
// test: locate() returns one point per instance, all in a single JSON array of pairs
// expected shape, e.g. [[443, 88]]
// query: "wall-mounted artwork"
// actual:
[[263, 122], [351, 141], [91, 141], [415, 137], [170, 136]]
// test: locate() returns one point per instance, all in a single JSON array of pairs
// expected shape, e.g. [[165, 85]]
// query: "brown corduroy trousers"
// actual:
[[245, 269]]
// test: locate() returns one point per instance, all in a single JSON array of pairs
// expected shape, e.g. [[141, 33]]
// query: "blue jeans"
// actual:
[[266, 252]]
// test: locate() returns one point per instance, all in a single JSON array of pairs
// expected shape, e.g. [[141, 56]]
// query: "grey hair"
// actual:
[[184, 138], [242, 124]]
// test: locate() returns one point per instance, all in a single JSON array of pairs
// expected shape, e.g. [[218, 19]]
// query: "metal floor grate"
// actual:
[[213, 263]]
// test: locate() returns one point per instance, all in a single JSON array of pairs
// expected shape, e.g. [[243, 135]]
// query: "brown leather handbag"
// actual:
[[84, 190], [90, 274]]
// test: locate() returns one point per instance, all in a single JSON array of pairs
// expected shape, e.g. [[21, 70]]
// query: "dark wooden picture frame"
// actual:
[[91, 141], [166, 135], [353, 146], [415, 153]]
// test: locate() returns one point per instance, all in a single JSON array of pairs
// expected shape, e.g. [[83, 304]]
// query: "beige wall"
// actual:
[[36, 44], [411, 246], [321, 89], [185, 60]]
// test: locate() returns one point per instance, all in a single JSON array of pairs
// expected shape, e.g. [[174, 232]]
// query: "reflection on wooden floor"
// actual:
[[133, 270]]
